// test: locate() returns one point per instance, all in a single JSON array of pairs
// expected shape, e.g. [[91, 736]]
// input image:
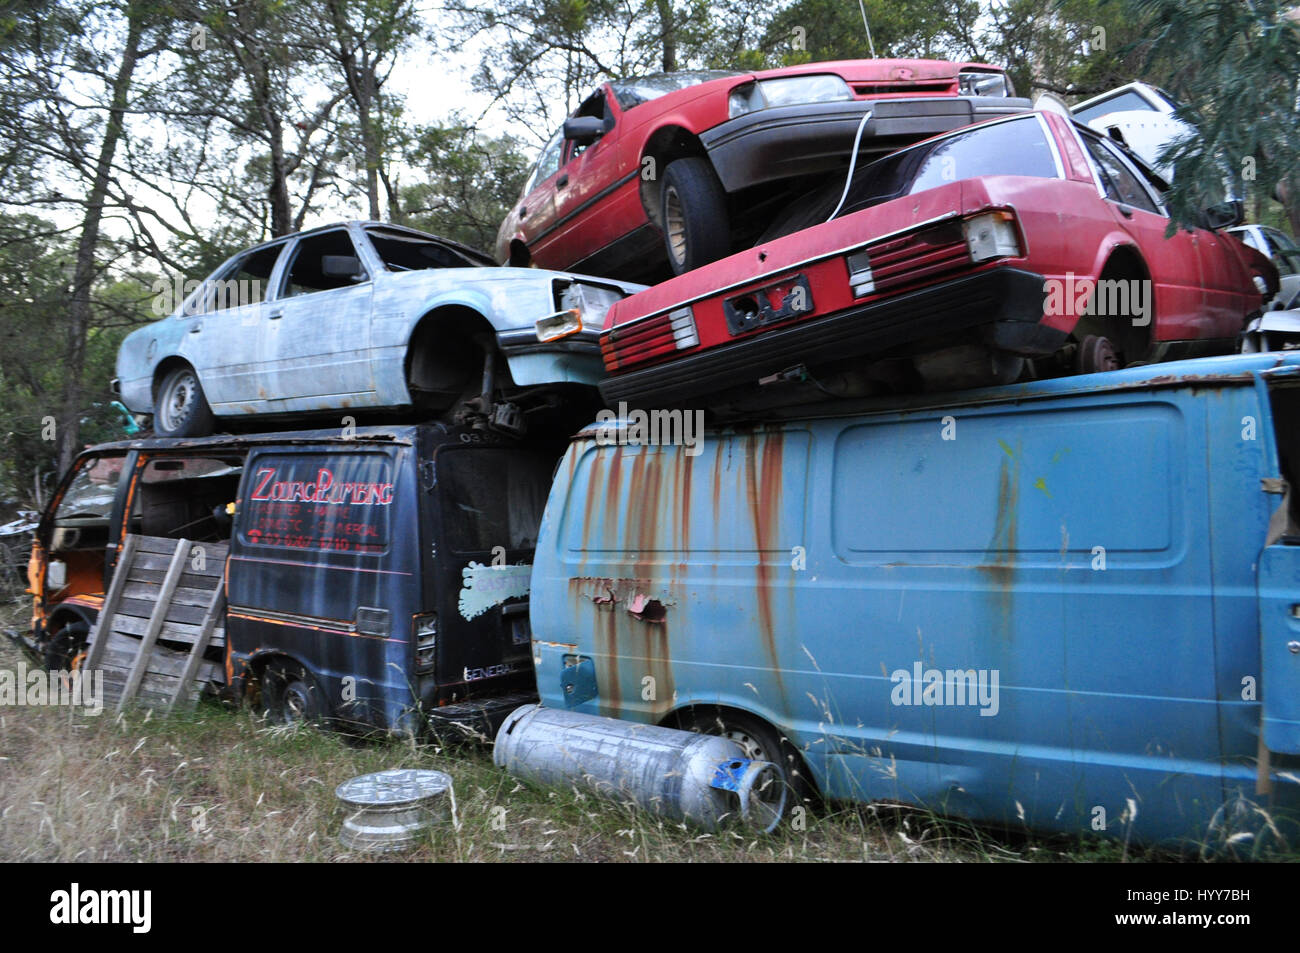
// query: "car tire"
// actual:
[[693, 210], [760, 742], [290, 696], [180, 408]]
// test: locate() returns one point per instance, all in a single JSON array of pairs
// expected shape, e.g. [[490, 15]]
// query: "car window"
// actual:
[[1121, 185], [1018, 147], [548, 163], [400, 251], [1124, 102], [90, 494], [596, 106], [244, 281], [634, 91], [306, 272]]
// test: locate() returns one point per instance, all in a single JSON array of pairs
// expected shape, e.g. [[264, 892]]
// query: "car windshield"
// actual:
[[92, 490], [1018, 147], [402, 251], [641, 89]]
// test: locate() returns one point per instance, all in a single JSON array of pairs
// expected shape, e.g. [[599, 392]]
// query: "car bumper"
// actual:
[[1007, 301], [790, 141]]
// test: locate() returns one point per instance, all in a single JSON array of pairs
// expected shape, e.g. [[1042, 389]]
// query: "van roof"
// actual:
[[404, 434], [1205, 371]]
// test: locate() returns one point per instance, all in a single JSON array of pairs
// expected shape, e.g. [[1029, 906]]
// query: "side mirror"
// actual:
[[341, 266], [1224, 215], [584, 129]]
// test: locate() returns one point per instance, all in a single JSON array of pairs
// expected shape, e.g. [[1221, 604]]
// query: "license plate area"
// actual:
[[780, 301]]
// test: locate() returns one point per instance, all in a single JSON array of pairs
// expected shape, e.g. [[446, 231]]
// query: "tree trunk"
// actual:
[[1289, 195], [668, 29], [84, 271]]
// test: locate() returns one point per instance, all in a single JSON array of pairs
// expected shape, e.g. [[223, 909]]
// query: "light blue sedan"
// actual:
[[363, 316]]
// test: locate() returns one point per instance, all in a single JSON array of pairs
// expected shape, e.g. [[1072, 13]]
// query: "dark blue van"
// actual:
[[375, 576], [1071, 605]]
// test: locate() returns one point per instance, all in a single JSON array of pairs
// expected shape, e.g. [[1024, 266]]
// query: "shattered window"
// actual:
[[401, 251]]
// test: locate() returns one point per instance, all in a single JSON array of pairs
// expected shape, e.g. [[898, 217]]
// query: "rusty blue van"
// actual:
[[1070, 605]]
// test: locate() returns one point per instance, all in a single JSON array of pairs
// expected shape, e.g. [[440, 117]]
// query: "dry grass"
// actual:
[[219, 785]]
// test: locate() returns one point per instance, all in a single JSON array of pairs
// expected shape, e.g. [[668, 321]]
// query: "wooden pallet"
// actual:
[[163, 591]]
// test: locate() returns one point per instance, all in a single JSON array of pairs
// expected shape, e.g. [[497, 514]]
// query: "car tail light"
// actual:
[[558, 325], [426, 639], [682, 322], [991, 235], [860, 276]]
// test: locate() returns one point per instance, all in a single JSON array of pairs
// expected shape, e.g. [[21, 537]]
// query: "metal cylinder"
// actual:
[[681, 775], [389, 809]]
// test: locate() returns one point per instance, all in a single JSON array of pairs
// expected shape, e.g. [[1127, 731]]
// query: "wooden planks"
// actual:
[[164, 609]]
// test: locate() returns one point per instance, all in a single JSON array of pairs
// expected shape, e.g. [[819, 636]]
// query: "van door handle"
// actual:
[[196, 327], [562, 181]]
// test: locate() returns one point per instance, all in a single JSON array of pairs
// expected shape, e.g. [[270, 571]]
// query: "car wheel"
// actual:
[[180, 409], [693, 209], [290, 695], [760, 742]]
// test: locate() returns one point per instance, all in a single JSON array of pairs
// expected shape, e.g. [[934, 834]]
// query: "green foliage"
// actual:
[[1238, 78], [471, 182]]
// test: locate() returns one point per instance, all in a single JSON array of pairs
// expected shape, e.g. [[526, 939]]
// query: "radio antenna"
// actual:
[[871, 46]]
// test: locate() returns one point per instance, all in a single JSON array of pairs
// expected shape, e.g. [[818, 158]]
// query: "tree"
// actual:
[[1237, 75], [473, 182]]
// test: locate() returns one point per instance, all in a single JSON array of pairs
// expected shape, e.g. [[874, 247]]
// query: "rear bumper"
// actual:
[[476, 717], [790, 141], [1008, 301]]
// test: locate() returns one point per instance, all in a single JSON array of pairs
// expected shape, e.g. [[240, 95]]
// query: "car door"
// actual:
[[223, 329], [1174, 262], [316, 332], [589, 173], [535, 213]]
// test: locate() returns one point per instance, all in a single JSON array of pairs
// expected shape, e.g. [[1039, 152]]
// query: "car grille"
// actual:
[[923, 88], [917, 259]]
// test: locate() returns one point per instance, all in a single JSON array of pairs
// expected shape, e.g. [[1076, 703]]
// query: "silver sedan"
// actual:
[[360, 316]]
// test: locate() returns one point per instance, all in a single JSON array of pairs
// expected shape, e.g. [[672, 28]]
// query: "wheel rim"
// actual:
[[768, 798], [297, 706], [1097, 354], [675, 225], [177, 400]]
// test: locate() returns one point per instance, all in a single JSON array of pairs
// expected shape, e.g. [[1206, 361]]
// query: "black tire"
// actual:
[[180, 408], [760, 742], [290, 696], [693, 213], [65, 645]]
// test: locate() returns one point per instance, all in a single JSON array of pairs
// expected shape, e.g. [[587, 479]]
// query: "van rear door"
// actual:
[[490, 502], [1279, 583]]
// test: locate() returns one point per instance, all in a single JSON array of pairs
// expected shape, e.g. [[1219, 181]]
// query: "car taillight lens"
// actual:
[[426, 639], [991, 235], [682, 321]]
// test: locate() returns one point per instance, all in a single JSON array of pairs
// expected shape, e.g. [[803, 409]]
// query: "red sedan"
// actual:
[[674, 171], [950, 263]]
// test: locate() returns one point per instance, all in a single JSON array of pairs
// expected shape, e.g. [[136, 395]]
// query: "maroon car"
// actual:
[[662, 174], [949, 263]]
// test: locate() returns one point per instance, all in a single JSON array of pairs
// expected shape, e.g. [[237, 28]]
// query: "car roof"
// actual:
[[368, 225]]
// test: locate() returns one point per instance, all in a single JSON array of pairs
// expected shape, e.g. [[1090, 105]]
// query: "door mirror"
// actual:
[[584, 129], [1224, 215], [341, 266]]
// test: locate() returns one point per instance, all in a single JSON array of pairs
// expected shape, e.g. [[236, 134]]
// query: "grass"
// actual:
[[220, 785]]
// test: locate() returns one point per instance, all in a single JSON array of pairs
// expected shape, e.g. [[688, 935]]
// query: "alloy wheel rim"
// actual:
[[676, 225]]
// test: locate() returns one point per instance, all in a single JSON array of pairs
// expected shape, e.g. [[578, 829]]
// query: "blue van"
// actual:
[[1070, 605]]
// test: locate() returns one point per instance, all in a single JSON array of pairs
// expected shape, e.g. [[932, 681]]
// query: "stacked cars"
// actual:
[[869, 236]]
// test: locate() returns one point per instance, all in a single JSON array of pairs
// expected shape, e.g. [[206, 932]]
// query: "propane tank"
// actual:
[[681, 775]]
